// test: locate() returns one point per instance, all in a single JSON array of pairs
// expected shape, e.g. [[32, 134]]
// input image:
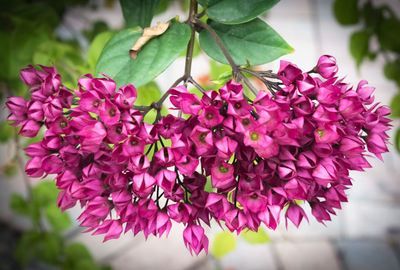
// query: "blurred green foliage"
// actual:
[[27, 34], [48, 244], [380, 24]]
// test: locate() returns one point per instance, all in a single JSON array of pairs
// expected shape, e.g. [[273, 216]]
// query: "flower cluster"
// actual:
[[231, 159]]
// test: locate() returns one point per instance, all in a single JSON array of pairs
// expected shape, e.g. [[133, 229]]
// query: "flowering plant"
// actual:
[[229, 158]]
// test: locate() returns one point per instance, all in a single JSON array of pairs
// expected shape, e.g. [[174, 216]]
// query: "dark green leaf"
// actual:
[[96, 47], [163, 6], [397, 140], [58, 220], [346, 11], [147, 94], [76, 252], [27, 247], [45, 194], [392, 70], [395, 105], [258, 237], [237, 11], [359, 46], [50, 247], [388, 34], [19, 204], [224, 242], [254, 41], [207, 3], [6, 131], [139, 12], [150, 62]]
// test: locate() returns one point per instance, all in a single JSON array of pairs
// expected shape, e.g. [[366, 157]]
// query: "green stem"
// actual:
[[236, 72]]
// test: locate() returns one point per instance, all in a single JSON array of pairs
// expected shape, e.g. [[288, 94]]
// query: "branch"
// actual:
[[236, 72]]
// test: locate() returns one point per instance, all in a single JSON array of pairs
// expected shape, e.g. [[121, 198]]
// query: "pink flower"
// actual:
[[326, 66], [222, 175], [288, 72], [295, 214], [142, 184], [109, 113], [210, 117], [226, 147], [202, 138], [111, 227], [195, 239], [30, 128], [254, 202], [125, 96]]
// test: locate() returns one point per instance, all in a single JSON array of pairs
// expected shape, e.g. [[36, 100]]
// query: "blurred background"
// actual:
[[365, 234]]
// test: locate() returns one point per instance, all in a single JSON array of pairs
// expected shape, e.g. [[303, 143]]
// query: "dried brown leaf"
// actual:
[[148, 33]]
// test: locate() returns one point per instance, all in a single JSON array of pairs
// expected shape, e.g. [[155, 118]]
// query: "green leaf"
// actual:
[[236, 11], [147, 94], [26, 248], [150, 62], [19, 205], [6, 131], [254, 41], [397, 140], [96, 47], [359, 46], [208, 187], [224, 242], [139, 12], [45, 193], [346, 11], [388, 34], [77, 251], [207, 3], [258, 237], [392, 71], [395, 105], [50, 247], [58, 220]]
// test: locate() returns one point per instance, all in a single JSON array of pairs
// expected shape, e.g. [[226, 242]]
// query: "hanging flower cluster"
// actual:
[[232, 159]]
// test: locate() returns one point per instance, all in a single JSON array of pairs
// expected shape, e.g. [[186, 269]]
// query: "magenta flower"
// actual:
[[326, 66], [229, 159], [195, 239], [111, 228]]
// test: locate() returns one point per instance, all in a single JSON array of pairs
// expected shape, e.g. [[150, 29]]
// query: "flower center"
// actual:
[[134, 142], [118, 130], [112, 112], [245, 121], [63, 124], [96, 103], [215, 103], [237, 105], [167, 126], [254, 136], [223, 169], [320, 132], [202, 137], [254, 196], [209, 115]]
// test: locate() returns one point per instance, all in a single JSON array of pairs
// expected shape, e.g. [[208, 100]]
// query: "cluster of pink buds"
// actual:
[[230, 159]]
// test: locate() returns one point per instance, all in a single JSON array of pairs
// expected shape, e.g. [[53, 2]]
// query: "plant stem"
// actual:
[[189, 51], [236, 72], [196, 84]]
